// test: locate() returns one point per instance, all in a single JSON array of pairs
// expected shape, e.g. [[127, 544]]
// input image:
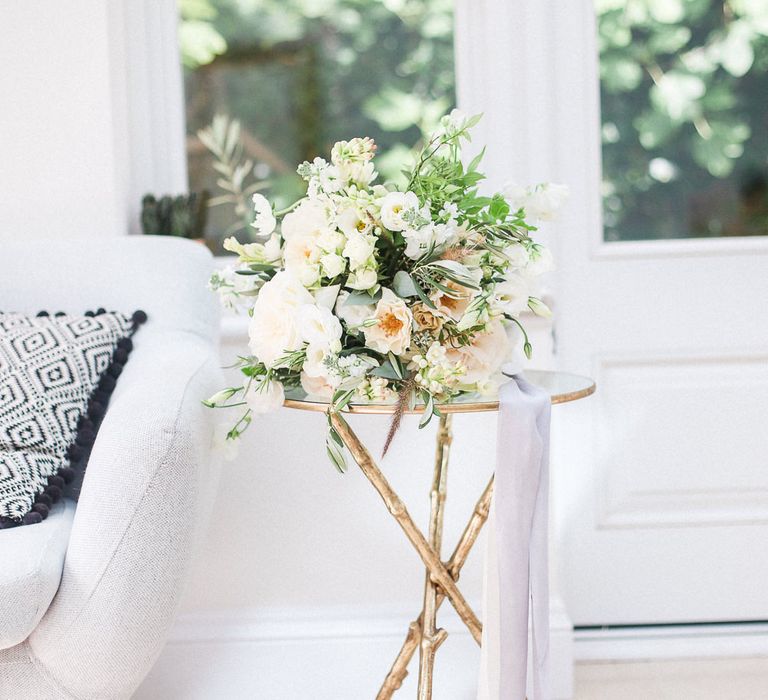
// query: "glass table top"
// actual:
[[561, 386]]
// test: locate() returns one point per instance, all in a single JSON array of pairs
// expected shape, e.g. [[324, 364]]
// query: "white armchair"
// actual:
[[149, 481]]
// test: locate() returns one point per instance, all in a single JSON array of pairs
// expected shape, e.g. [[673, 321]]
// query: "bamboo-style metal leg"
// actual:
[[399, 670], [431, 637], [437, 570]]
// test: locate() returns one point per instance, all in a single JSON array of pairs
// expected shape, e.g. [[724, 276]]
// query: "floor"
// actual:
[[703, 679]]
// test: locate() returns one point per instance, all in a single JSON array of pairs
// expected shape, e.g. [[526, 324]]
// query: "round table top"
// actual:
[[561, 386]]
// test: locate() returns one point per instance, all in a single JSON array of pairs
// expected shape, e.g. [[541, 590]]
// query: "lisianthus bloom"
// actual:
[[392, 332], [264, 396]]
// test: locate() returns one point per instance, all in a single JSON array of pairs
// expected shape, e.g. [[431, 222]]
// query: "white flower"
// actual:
[[265, 221], [353, 314], [330, 240], [314, 364], [318, 326], [332, 265], [539, 307], [484, 357], [352, 222], [540, 260], [512, 294], [517, 254], [326, 296], [419, 241], [358, 250], [540, 202], [264, 396], [273, 329], [316, 386], [392, 333], [392, 207], [453, 307], [362, 279], [262, 253], [308, 218], [451, 124], [235, 291]]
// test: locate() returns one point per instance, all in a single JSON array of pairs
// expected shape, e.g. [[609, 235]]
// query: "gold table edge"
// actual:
[[476, 407]]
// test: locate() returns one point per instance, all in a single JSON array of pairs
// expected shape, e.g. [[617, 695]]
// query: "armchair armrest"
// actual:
[[142, 505]]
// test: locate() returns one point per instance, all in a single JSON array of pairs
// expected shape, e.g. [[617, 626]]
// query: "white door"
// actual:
[[662, 498]]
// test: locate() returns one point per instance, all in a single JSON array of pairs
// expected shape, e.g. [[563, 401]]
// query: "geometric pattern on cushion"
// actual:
[[56, 376]]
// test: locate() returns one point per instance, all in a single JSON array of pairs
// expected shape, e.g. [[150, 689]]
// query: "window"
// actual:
[[298, 75], [684, 93]]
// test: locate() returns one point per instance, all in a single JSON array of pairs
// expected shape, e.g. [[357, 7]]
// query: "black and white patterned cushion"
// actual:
[[56, 375]]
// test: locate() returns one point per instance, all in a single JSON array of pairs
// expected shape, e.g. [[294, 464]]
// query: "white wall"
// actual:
[[84, 131]]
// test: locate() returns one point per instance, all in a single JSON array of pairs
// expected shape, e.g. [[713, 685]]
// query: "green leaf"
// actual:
[[362, 298], [404, 285], [475, 161]]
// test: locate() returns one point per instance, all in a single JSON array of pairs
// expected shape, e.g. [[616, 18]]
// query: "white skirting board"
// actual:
[[326, 654]]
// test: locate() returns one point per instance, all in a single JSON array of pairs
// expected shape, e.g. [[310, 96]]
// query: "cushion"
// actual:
[[56, 375], [32, 561]]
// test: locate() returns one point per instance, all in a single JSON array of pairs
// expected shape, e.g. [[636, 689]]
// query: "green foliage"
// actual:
[[684, 86], [302, 74]]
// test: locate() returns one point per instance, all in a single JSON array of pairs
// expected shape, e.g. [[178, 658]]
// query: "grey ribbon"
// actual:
[[516, 580]]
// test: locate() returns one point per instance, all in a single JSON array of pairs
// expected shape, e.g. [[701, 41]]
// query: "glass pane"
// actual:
[[299, 75], [684, 93]]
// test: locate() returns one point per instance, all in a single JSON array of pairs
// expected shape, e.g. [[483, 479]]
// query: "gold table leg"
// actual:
[[431, 637], [435, 567], [399, 670]]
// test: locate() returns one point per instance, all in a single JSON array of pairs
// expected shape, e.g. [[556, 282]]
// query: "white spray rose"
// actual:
[[359, 249], [332, 265], [392, 333], [392, 207], [264, 396], [362, 279]]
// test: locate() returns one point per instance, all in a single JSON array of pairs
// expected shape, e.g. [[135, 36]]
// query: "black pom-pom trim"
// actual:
[[79, 450]]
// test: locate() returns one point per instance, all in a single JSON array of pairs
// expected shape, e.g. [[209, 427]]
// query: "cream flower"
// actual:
[[318, 326], [264, 396], [332, 265], [485, 356], [392, 207], [511, 295], [316, 386], [540, 202], [392, 333], [449, 306], [273, 329], [309, 217]]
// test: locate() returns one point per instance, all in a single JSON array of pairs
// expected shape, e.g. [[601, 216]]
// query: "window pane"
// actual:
[[301, 74], [684, 92]]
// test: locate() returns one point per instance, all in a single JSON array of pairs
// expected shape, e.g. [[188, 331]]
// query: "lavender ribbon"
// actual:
[[516, 577]]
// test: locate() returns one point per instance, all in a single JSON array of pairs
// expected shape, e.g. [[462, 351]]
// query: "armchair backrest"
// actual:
[[166, 277]]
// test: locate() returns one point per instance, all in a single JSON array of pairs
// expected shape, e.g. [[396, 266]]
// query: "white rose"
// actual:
[[273, 328], [392, 333], [333, 265], [318, 326], [392, 207], [264, 396], [308, 217], [301, 250], [265, 221], [484, 357], [358, 250], [362, 279], [353, 314]]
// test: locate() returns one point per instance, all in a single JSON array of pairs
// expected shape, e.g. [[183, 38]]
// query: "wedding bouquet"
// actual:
[[362, 292]]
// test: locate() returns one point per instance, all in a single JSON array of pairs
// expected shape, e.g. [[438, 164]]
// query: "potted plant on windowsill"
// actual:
[[182, 215]]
